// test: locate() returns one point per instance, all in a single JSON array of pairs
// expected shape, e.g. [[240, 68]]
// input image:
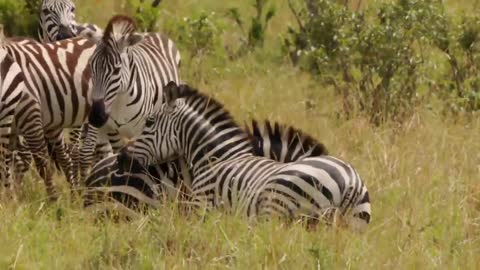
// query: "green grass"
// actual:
[[422, 177]]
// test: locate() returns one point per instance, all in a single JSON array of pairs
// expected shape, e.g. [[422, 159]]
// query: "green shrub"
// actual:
[[198, 35], [146, 15], [20, 18], [258, 26], [374, 58], [460, 44]]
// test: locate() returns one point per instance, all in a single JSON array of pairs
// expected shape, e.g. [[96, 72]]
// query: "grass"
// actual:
[[422, 177]]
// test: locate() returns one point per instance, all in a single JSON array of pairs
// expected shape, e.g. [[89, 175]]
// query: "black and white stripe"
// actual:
[[226, 173], [57, 22], [58, 82], [20, 115], [12, 86], [279, 142], [129, 71], [283, 143]]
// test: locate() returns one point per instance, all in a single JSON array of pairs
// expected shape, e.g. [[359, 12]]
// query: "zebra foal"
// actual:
[[226, 174]]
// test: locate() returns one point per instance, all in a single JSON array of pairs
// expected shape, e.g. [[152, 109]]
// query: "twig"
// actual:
[[295, 14]]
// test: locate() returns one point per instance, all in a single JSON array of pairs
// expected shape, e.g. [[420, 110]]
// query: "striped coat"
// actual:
[[139, 186], [19, 114], [226, 174], [129, 71]]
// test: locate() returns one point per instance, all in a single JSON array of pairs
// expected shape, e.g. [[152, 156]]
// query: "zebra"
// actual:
[[57, 80], [57, 21], [227, 175], [129, 71], [12, 86], [19, 114], [172, 180]]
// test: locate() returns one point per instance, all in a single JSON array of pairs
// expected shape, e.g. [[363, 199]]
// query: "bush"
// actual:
[[258, 26], [198, 35], [20, 17], [375, 58], [146, 14], [459, 43]]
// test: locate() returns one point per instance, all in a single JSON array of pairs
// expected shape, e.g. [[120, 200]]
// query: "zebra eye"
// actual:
[[150, 122], [72, 9], [45, 11]]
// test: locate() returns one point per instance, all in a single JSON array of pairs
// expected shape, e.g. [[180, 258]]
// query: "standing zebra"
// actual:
[[139, 186], [57, 21], [59, 78], [20, 114], [129, 71], [58, 83], [226, 173]]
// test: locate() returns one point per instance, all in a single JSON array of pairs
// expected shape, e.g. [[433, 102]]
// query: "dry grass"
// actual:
[[423, 179]]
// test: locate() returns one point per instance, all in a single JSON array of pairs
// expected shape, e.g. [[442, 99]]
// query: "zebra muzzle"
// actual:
[[98, 116], [64, 32]]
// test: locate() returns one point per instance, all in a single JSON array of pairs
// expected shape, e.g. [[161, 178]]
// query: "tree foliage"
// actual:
[[375, 58]]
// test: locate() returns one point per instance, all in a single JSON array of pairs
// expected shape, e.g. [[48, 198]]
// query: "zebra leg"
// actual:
[[74, 148], [6, 123], [87, 151], [22, 159], [36, 142], [63, 157], [102, 150], [115, 140], [6, 157]]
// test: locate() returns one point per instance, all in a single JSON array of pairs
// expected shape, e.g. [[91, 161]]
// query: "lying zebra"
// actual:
[[227, 175], [171, 180]]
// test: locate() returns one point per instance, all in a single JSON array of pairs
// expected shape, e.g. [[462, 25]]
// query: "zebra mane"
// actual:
[[119, 26], [208, 103], [279, 134]]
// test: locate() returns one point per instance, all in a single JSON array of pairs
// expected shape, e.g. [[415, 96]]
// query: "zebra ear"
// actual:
[[131, 40], [170, 93], [91, 35], [150, 121]]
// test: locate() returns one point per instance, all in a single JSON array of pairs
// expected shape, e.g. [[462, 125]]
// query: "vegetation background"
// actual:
[[390, 86]]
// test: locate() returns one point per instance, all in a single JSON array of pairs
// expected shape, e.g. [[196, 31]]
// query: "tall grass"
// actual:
[[423, 179]]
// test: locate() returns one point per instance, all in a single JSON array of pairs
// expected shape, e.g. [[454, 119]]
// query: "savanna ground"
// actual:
[[423, 177]]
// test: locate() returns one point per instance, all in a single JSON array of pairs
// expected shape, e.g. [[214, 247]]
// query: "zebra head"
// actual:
[[110, 66], [160, 137], [57, 19]]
